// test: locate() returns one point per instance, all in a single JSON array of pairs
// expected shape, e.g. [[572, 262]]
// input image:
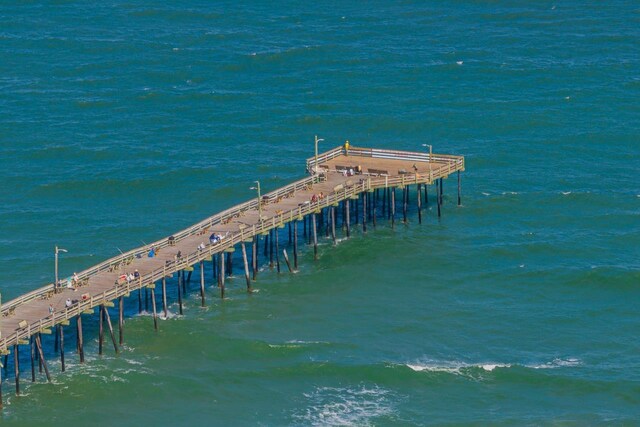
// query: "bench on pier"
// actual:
[[23, 324], [377, 172]]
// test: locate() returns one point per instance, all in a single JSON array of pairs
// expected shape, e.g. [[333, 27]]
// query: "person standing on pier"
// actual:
[[346, 148]]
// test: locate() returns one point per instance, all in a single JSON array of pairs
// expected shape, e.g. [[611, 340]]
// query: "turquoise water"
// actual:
[[124, 122]]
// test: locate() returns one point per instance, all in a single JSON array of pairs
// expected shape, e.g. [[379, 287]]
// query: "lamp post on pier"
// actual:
[[257, 187], [315, 165], [57, 250]]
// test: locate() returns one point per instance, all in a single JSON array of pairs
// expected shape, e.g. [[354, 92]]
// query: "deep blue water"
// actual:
[[124, 122]]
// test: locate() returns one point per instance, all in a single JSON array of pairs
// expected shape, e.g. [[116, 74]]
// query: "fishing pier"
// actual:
[[356, 187]]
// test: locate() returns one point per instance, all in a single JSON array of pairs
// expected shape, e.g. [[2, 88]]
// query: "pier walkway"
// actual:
[[329, 184]]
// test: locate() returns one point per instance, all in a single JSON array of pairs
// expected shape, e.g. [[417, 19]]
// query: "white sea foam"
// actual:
[[336, 406], [565, 193], [466, 368]]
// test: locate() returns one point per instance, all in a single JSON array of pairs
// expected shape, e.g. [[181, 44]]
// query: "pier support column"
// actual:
[[80, 341], [32, 348], [384, 202], [16, 367], [405, 202], [295, 245], [392, 207], [333, 224], [289, 226], [426, 195], [346, 203], [221, 275], [254, 257], [356, 203], [315, 237], [438, 200], [246, 266], [42, 359], [180, 279], [100, 329], [154, 311], [214, 265], [140, 301], [229, 266], [61, 340], [419, 202], [113, 336], [146, 299], [164, 297], [364, 212], [276, 233], [374, 212], [121, 319], [459, 192], [271, 248], [202, 281]]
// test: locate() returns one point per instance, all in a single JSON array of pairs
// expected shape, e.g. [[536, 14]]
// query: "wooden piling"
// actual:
[[202, 302], [153, 308], [61, 332], [79, 340], [121, 319], [271, 248], [438, 198], [405, 202], [254, 257], [275, 231], [346, 202], [392, 207], [140, 301], [180, 278], [113, 336], [384, 202], [375, 207], [356, 203], [164, 297], [41, 354], [459, 190], [146, 299], [229, 266], [295, 244], [364, 212], [32, 348], [100, 329], [426, 195], [315, 236], [221, 275], [286, 259], [419, 202], [289, 226], [333, 224], [246, 267], [16, 368]]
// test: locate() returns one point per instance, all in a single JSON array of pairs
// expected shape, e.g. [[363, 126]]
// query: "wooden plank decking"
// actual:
[[238, 224]]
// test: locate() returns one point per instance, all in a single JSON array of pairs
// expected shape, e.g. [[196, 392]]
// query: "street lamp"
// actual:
[[259, 197], [57, 250], [315, 167], [429, 145]]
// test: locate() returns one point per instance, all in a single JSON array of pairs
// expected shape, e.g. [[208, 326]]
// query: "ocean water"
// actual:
[[123, 122]]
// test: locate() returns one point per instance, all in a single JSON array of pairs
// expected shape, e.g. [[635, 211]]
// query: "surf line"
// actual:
[[351, 185]]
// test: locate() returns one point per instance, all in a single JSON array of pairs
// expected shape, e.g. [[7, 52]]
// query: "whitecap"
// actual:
[[565, 193]]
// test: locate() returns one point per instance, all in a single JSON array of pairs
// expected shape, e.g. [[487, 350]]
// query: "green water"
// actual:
[[124, 122]]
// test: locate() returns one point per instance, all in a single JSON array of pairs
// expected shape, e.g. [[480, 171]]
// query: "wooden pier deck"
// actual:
[[331, 183]]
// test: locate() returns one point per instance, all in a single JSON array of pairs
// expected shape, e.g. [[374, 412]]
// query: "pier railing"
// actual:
[[384, 154], [159, 244], [361, 183]]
